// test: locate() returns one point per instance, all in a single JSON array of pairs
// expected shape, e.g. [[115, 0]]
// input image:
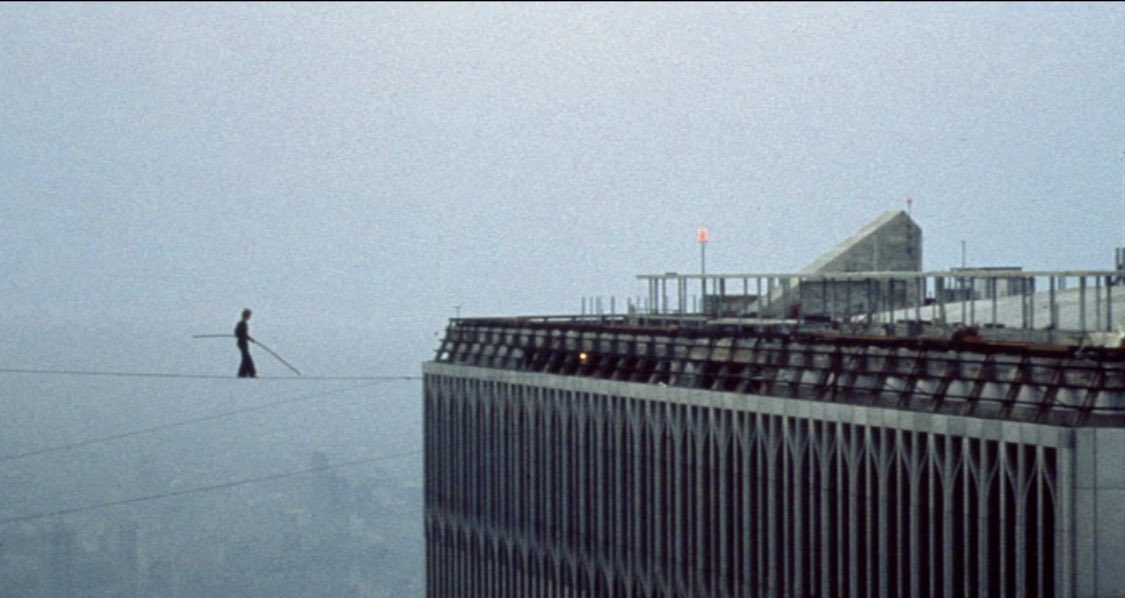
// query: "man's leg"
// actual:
[[246, 368]]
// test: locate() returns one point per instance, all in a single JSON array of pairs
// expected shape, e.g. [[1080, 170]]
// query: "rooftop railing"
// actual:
[[1065, 300]]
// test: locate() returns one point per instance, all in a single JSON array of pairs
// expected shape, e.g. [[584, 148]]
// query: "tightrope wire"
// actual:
[[202, 489], [182, 423], [114, 374]]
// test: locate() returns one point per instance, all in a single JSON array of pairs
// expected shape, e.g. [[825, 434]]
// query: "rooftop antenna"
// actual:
[[1120, 253], [909, 204], [704, 236]]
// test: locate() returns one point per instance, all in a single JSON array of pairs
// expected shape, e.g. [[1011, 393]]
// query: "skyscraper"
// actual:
[[874, 441]]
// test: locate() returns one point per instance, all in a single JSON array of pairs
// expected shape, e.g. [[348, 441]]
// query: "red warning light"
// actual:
[[703, 234]]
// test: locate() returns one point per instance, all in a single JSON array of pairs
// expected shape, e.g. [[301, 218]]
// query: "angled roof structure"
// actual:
[[890, 243]]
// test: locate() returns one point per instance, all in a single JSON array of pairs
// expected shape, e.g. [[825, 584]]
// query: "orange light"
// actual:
[[582, 356], [703, 235]]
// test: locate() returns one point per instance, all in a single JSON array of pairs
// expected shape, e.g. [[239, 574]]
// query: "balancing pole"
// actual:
[[267, 349], [270, 351]]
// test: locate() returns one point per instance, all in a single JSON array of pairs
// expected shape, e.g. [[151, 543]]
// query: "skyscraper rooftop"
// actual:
[[858, 428]]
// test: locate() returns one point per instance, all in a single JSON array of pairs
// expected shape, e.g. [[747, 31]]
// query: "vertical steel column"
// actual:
[[964, 294], [750, 520], [920, 290], [1082, 303], [1097, 302], [657, 412], [1031, 304], [758, 301], [973, 301], [1054, 312], [833, 312], [824, 297], [745, 296], [1109, 303], [772, 505], [617, 481], [910, 442], [722, 296], [798, 445], [802, 304], [774, 283], [785, 298], [882, 466], [677, 528], [948, 515], [939, 293], [993, 283], [886, 289], [681, 295], [702, 293]]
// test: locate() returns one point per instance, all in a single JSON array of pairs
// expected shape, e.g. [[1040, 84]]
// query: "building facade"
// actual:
[[631, 458]]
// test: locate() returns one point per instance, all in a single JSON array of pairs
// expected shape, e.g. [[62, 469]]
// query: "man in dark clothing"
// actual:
[[242, 331]]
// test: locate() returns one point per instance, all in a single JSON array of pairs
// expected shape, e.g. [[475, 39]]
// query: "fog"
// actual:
[[359, 173]]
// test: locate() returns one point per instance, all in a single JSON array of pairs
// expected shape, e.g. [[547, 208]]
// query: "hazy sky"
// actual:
[[375, 165]]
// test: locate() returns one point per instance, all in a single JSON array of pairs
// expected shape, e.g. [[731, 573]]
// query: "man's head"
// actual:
[[246, 313]]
